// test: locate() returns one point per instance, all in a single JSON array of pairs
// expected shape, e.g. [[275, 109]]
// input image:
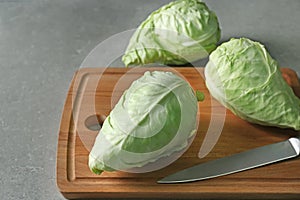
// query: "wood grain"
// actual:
[[93, 93]]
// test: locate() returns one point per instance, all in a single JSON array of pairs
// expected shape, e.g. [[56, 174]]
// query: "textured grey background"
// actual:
[[42, 43]]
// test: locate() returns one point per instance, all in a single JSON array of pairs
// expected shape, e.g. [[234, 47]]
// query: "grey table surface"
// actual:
[[42, 44]]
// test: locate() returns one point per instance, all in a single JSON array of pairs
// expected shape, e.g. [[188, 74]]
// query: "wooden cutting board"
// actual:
[[92, 95]]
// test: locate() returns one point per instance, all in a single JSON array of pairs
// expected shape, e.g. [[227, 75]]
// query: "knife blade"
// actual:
[[238, 162]]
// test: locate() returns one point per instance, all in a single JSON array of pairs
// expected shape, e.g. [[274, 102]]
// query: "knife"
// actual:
[[238, 162]]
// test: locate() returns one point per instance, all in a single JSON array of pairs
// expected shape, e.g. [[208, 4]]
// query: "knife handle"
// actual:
[[295, 142]]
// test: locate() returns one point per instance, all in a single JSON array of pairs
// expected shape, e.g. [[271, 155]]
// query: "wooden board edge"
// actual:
[[63, 182], [179, 195], [65, 174]]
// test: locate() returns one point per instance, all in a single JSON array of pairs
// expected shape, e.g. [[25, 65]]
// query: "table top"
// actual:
[[42, 44]]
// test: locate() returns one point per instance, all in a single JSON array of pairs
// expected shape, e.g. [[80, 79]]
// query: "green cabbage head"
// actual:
[[180, 32], [247, 80], [153, 119]]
